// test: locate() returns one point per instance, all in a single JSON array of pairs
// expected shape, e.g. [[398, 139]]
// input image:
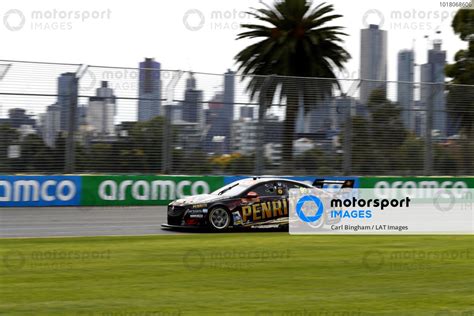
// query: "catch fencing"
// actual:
[[84, 119]]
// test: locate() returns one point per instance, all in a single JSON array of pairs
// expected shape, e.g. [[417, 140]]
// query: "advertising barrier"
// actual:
[[40, 190], [416, 182], [144, 190], [136, 190]]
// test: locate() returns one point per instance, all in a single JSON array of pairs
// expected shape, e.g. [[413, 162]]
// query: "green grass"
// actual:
[[255, 274]]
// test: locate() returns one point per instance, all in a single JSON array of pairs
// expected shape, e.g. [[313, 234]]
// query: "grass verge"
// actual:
[[252, 273]]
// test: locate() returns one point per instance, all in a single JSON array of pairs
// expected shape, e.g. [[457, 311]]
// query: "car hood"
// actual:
[[195, 199]]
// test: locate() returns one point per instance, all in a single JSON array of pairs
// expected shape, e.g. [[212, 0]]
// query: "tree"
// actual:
[[460, 100], [294, 41], [147, 142], [8, 136], [377, 139]]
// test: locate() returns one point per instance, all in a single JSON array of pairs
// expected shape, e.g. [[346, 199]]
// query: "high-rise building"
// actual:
[[51, 124], [229, 94], [405, 87], [373, 61], [101, 111], [228, 107], [432, 86], [220, 115], [215, 126], [192, 106], [67, 89], [149, 90]]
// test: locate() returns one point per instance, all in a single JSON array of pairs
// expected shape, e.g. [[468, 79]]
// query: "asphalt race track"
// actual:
[[81, 221]]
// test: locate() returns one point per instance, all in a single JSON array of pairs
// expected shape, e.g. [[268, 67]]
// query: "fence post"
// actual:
[[167, 125], [70, 140], [165, 169], [347, 149], [428, 163], [347, 160]]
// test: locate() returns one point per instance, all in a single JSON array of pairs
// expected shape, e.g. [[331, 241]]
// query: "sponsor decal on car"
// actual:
[[264, 210]]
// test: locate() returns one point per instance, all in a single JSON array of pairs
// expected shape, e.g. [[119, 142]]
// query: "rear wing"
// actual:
[[320, 183]]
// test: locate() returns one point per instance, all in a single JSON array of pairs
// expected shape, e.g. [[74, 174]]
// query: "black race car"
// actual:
[[250, 202]]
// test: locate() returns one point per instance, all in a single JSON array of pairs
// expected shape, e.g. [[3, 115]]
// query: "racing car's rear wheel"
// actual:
[[219, 218]]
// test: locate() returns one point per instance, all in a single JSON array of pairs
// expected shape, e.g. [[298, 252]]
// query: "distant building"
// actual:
[[176, 112], [244, 136], [215, 126], [18, 117], [67, 89], [247, 112], [189, 136], [51, 124], [432, 73], [373, 61], [405, 87], [419, 118], [192, 106], [149, 90], [101, 111], [228, 109]]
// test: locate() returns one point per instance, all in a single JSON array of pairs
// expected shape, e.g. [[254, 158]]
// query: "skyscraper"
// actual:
[[405, 87], [229, 93], [373, 61], [431, 73], [149, 90], [50, 125], [228, 109], [101, 111], [66, 90], [192, 106]]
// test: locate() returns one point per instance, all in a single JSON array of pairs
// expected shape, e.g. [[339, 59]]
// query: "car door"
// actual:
[[265, 203]]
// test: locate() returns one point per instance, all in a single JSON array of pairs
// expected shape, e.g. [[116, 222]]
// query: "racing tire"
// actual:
[[219, 219]]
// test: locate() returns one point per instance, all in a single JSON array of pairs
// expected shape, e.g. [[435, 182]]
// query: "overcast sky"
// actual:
[[195, 35]]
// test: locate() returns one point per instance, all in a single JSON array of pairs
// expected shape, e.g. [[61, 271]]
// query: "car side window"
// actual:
[[266, 189], [291, 185]]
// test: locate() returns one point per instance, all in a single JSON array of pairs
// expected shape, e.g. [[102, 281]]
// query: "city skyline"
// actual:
[[64, 85]]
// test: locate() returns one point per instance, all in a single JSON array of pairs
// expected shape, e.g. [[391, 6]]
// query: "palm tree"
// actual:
[[295, 42], [460, 99]]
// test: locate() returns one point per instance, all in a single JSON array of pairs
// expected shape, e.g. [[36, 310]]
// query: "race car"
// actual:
[[247, 203]]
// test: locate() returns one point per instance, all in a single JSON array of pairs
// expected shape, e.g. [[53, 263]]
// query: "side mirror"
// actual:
[[252, 195]]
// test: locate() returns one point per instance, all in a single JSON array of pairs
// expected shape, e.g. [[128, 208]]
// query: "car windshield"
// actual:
[[235, 188]]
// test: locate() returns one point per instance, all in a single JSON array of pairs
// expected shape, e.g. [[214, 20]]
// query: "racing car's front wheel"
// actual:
[[219, 218]]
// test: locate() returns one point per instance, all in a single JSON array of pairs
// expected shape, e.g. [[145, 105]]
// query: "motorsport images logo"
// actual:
[[51, 19], [311, 200], [345, 207]]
